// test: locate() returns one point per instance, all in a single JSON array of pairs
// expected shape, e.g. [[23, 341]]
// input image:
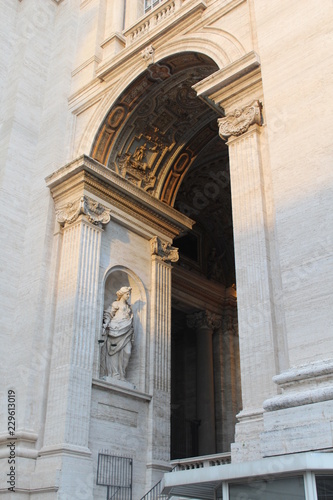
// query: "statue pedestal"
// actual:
[[119, 383]]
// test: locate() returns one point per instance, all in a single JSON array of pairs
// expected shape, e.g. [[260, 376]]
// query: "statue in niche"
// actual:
[[118, 333]]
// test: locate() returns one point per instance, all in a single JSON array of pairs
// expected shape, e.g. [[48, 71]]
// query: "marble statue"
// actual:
[[118, 333]]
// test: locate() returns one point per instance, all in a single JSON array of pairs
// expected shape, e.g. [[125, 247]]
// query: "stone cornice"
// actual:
[[94, 212], [239, 121], [130, 204], [196, 291], [226, 76], [163, 250], [233, 85]]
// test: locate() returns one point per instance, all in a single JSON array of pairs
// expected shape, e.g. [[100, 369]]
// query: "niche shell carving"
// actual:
[[118, 336]]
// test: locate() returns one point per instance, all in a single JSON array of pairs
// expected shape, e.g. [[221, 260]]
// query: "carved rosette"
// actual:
[[95, 212], [204, 319], [239, 121], [163, 250]]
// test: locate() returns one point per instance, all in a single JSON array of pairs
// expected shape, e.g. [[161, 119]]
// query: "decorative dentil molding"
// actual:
[[204, 319], [239, 121], [95, 212], [163, 250]]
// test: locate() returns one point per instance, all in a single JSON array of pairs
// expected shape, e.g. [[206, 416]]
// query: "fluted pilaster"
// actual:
[[67, 421], [162, 253], [251, 239]]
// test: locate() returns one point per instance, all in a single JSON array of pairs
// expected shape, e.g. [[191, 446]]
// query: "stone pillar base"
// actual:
[[247, 436], [303, 413]]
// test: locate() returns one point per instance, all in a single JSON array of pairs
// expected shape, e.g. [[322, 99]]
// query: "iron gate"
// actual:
[[116, 474]]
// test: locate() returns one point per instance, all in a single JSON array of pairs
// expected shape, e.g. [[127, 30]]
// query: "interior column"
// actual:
[[204, 324]]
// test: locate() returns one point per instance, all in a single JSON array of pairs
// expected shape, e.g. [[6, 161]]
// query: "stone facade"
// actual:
[[121, 129]]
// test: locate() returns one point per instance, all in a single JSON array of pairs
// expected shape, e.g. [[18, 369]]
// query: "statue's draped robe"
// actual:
[[120, 333]]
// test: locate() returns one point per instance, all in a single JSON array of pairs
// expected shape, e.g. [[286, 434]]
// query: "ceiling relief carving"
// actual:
[[150, 129], [204, 195]]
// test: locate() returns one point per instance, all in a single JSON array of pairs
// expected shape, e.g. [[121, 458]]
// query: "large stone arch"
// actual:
[[218, 45], [159, 111]]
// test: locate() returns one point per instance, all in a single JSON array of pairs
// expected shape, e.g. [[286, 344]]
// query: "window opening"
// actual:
[[150, 4], [324, 485]]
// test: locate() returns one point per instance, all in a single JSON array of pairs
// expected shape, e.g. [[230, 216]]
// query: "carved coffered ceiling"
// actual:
[[161, 137], [205, 196], [157, 127]]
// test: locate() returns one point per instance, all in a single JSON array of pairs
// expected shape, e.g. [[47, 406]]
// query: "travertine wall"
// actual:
[[62, 65], [296, 64]]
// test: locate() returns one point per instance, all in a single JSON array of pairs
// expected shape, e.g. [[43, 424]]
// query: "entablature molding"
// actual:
[[230, 86], [191, 290], [204, 320], [130, 205]]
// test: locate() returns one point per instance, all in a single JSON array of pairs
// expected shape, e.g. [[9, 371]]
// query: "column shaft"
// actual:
[[205, 390]]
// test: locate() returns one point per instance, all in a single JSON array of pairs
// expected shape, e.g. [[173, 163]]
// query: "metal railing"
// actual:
[[185, 464], [116, 474], [155, 493]]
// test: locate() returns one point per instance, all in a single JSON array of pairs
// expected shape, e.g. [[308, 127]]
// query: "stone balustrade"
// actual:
[[151, 20], [201, 462]]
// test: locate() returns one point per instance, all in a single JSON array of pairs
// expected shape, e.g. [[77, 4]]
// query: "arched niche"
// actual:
[[115, 278]]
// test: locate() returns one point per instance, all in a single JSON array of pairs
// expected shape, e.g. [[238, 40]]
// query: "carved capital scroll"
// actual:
[[204, 319], [95, 212], [163, 250], [239, 121]]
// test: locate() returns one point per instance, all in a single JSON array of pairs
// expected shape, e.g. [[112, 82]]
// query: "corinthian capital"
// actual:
[[239, 121], [204, 319], [95, 212], [163, 250]]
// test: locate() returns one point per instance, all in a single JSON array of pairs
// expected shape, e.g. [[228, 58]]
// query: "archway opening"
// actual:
[[161, 137], [206, 394]]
